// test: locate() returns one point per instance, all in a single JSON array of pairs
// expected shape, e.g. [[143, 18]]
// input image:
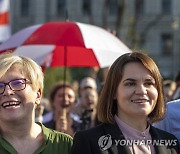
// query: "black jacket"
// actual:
[[102, 140]]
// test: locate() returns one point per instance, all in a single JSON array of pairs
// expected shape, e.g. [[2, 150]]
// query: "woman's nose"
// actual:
[[141, 89], [8, 90]]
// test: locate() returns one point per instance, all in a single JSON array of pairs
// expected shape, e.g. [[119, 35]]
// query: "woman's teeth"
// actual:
[[8, 104]]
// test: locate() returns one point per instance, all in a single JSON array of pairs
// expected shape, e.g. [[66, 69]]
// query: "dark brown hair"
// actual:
[[107, 106], [55, 88]]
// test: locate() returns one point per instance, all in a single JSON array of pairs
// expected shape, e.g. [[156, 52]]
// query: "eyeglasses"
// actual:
[[15, 85]]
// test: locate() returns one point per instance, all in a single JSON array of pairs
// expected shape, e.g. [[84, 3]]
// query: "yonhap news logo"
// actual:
[[160, 142], [105, 142]]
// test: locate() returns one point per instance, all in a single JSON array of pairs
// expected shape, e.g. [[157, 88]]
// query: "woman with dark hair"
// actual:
[[62, 98], [130, 100]]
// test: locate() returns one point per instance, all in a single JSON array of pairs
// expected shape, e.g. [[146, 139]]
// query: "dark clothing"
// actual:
[[50, 124], [103, 140]]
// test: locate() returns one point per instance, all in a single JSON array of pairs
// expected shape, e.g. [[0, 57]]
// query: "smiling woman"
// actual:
[[130, 100], [15, 85], [21, 87]]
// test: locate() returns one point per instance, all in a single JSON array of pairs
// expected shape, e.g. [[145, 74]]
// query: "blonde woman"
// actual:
[[21, 87]]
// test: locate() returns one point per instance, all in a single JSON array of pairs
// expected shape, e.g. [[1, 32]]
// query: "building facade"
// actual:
[[152, 26]]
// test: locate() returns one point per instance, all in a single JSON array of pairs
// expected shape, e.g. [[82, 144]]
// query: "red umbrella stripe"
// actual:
[[57, 33]]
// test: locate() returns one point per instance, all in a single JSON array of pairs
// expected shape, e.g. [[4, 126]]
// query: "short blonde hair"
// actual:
[[30, 68], [107, 106]]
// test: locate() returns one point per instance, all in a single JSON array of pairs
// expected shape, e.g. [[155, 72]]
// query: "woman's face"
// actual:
[[64, 97], [89, 98], [17, 105], [136, 93]]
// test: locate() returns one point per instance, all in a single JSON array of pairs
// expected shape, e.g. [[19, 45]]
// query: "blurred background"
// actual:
[[150, 26]]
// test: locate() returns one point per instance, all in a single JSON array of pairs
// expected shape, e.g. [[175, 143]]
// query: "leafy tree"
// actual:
[[53, 75]]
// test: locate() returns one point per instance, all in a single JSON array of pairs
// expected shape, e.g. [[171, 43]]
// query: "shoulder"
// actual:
[[95, 130], [173, 108], [59, 136], [91, 135], [56, 137], [95, 133], [156, 132], [55, 141], [174, 103], [165, 140], [86, 141]]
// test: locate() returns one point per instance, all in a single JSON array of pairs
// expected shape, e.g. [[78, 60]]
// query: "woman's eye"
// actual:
[[1, 85], [129, 84], [17, 82], [149, 83]]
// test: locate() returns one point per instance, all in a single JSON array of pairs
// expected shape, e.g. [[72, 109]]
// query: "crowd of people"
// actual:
[[68, 112], [134, 103]]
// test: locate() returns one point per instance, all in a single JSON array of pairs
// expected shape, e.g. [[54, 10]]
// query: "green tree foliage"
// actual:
[[53, 75]]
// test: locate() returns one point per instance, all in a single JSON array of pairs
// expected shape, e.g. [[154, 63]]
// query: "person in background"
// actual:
[[80, 114], [87, 83], [39, 113], [84, 113], [21, 87], [169, 87], [62, 99], [130, 100], [75, 86], [176, 94], [171, 121], [42, 109]]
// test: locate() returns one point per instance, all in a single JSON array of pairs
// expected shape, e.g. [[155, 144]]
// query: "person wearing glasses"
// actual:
[[21, 87], [130, 100]]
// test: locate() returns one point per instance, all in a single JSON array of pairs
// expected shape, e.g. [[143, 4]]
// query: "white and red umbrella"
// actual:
[[66, 44]]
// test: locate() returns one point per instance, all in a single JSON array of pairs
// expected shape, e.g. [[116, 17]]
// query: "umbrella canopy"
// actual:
[[66, 44]]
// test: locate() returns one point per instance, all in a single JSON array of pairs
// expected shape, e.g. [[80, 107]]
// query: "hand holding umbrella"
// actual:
[[61, 120]]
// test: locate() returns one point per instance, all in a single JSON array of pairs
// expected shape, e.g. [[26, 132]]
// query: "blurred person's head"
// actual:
[[177, 79], [87, 83], [176, 94], [89, 99], [43, 107], [75, 86], [39, 110], [169, 87], [45, 102], [116, 84], [62, 95]]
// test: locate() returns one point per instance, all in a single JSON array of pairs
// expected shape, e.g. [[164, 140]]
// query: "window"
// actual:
[[166, 6], [86, 7], [139, 7], [166, 44], [24, 8], [61, 8], [113, 7]]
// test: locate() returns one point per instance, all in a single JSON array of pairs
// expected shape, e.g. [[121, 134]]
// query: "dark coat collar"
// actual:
[[116, 133]]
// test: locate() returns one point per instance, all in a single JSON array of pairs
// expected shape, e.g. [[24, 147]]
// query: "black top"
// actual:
[[102, 140]]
